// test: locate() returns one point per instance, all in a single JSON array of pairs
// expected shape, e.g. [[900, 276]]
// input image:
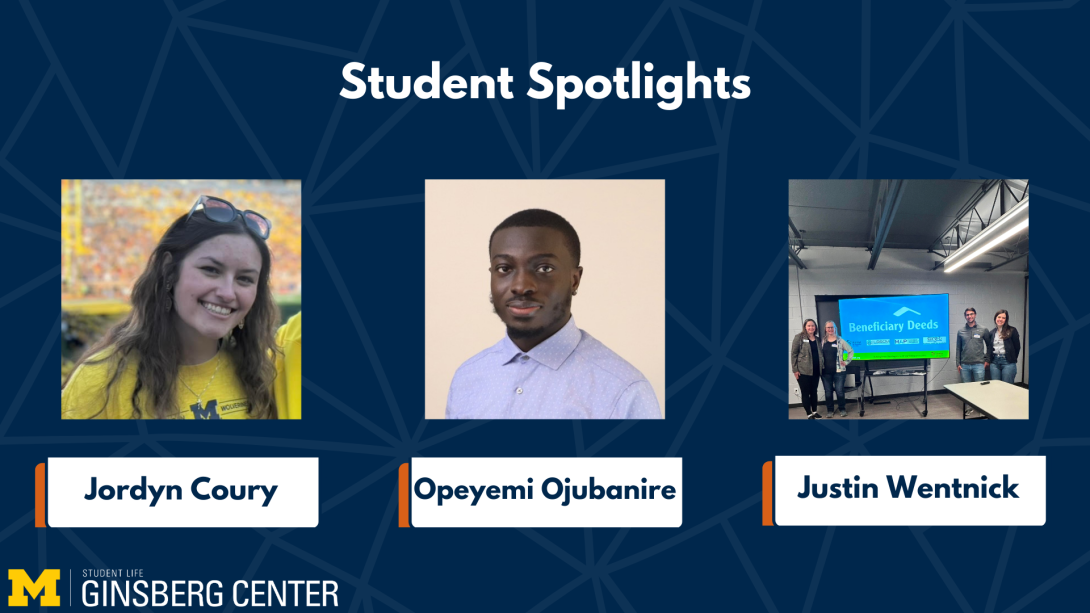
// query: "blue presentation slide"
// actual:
[[897, 327]]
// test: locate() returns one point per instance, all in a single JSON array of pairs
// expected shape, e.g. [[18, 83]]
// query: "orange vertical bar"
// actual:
[[766, 497], [39, 496], [403, 496]]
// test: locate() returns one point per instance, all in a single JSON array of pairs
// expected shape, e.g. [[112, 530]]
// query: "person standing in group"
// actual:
[[974, 349], [836, 354], [807, 363], [1005, 347]]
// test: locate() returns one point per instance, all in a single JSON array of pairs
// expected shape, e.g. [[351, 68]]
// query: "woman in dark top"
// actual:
[[1005, 347], [806, 364]]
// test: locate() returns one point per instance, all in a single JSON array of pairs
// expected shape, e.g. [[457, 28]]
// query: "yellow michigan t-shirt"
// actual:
[[84, 397], [288, 387]]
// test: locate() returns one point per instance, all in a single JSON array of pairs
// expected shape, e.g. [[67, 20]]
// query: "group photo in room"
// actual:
[[908, 299]]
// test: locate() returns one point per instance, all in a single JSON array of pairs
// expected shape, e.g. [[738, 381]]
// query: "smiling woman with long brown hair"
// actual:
[[200, 341], [1005, 347]]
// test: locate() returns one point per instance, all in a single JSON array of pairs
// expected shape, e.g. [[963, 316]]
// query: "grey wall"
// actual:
[[840, 270]]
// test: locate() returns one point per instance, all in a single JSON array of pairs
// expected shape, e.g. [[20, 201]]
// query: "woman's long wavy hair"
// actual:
[[148, 333]]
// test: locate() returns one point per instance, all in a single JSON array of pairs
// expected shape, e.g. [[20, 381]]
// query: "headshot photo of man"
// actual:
[[544, 365]]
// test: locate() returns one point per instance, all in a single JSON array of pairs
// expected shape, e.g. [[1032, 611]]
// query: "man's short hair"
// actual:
[[967, 311], [540, 218]]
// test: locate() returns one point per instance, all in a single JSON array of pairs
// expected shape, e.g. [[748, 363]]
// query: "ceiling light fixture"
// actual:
[[1001, 229]]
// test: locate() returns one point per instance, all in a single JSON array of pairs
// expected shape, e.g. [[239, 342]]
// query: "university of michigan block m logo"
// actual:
[[21, 585]]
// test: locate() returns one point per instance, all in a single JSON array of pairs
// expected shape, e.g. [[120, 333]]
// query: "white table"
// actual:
[[996, 400]]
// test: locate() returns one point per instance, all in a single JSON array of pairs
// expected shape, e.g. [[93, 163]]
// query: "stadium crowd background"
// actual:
[[109, 228]]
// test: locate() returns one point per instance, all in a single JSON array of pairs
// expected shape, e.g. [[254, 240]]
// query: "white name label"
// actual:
[[182, 492], [546, 492], [910, 491]]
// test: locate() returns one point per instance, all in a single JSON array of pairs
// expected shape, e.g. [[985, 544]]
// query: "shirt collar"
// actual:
[[552, 352]]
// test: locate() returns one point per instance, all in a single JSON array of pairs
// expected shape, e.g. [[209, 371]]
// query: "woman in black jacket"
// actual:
[[1005, 347]]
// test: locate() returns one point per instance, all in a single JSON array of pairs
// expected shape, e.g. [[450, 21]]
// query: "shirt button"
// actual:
[[518, 391], [525, 357]]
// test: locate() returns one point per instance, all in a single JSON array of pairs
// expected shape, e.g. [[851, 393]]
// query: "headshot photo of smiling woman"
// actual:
[[559, 317], [202, 335]]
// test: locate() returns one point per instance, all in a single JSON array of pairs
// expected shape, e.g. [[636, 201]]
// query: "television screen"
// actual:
[[897, 327]]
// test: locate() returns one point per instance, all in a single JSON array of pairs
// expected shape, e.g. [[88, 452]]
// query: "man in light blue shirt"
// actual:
[[544, 367]]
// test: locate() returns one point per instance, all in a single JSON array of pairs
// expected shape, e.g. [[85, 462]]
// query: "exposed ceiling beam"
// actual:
[[895, 189], [795, 258], [795, 232], [878, 199], [875, 196], [953, 236], [1007, 199], [1004, 263]]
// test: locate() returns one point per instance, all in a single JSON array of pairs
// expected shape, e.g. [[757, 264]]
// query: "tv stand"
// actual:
[[920, 370]]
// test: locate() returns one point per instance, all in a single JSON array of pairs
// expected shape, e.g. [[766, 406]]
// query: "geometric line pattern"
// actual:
[[602, 570]]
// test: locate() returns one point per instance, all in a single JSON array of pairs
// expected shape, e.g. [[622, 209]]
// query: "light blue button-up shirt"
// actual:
[[570, 375]]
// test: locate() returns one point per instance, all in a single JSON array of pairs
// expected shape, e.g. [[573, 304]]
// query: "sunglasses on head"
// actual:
[[219, 210]]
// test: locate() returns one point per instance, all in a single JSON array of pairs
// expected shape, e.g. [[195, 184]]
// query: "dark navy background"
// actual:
[[245, 89]]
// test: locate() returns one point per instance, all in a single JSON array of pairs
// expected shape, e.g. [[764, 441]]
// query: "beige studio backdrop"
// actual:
[[622, 295]]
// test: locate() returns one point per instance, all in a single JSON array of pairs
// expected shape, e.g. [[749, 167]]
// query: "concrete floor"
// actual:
[[939, 406]]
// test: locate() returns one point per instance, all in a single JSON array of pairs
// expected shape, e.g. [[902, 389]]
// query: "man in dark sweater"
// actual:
[[973, 348]]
